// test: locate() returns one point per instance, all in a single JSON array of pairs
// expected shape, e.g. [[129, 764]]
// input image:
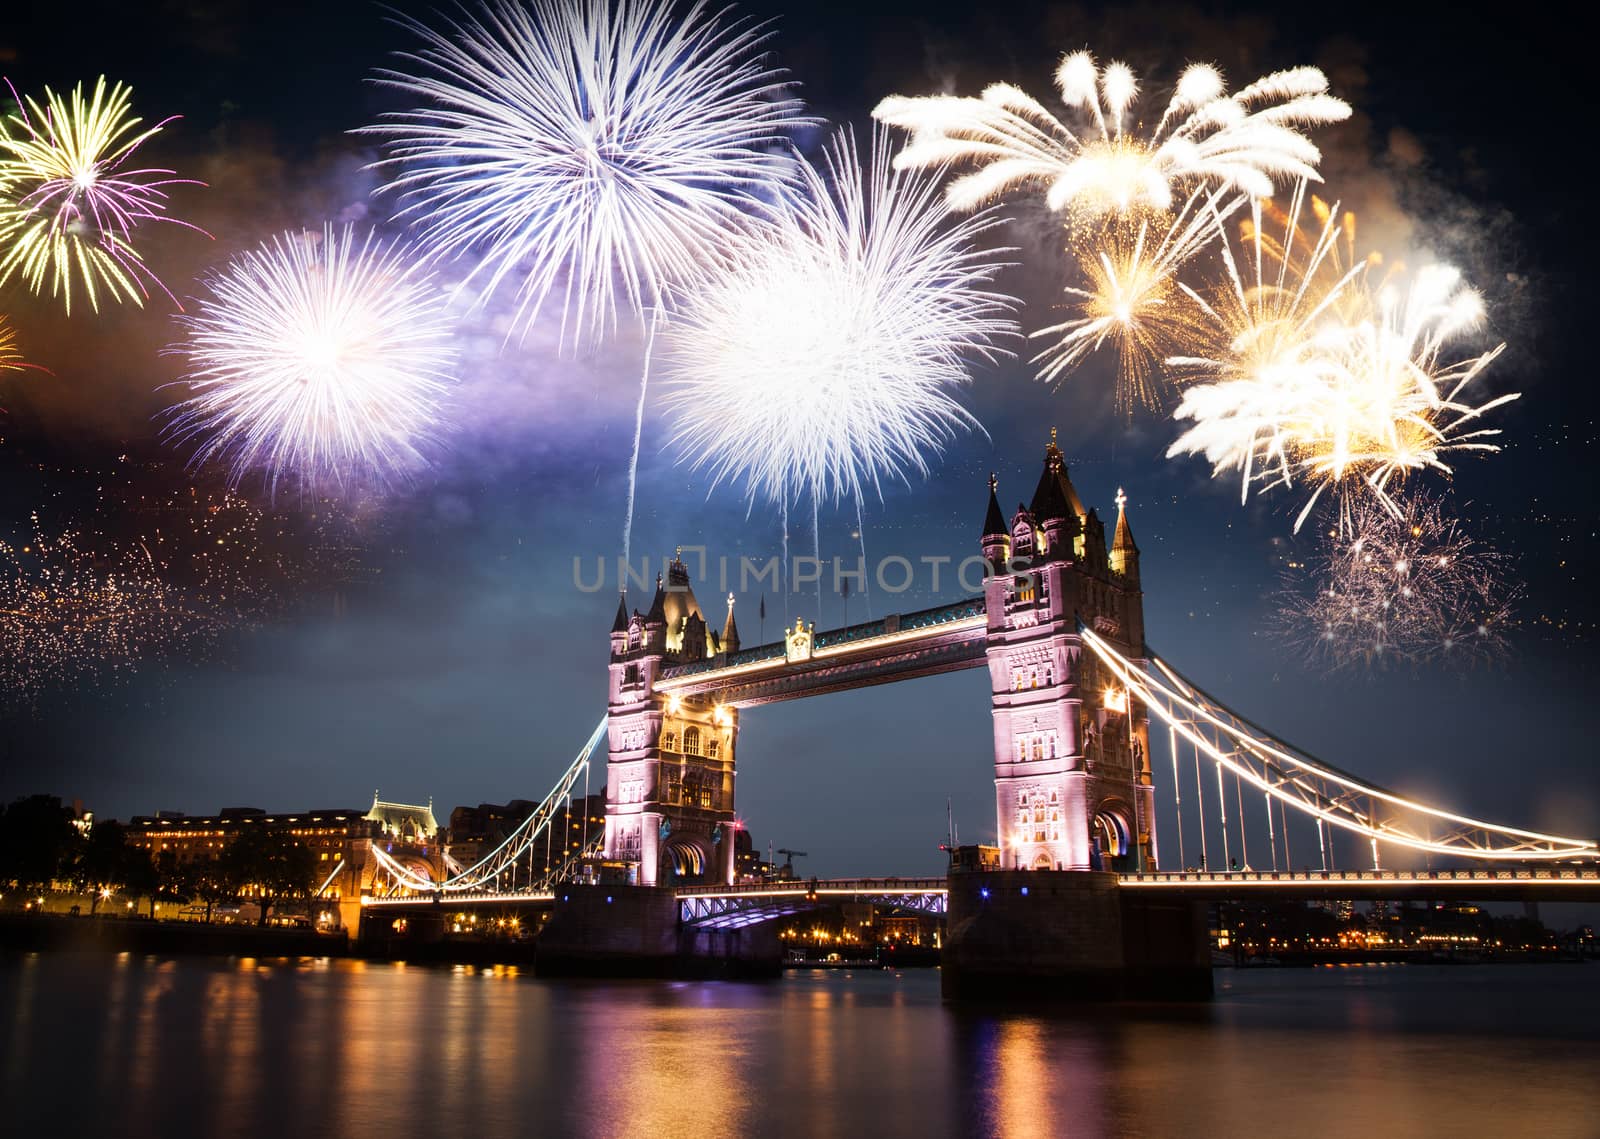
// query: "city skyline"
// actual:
[[465, 664]]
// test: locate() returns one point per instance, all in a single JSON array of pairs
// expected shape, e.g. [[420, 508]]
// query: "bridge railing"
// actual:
[[1495, 874], [820, 886], [1293, 779]]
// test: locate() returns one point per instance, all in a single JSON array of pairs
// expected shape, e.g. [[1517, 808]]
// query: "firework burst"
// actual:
[[1134, 299], [598, 147], [318, 356], [145, 577], [11, 359], [1323, 373], [1407, 585], [69, 204], [1099, 163], [827, 358]]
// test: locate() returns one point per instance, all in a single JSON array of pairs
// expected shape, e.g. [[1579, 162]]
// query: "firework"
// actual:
[[1134, 299], [1407, 585], [316, 355], [10, 354], [827, 358], [69, 204], [64, 614], [1326, 374], [143, 578], [600, 144], [1241, 142]]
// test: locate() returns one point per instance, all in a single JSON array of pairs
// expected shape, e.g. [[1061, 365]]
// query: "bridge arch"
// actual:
[[1112, 834], [686, 861]]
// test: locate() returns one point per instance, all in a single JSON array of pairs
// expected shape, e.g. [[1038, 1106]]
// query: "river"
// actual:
[[130, 1046]]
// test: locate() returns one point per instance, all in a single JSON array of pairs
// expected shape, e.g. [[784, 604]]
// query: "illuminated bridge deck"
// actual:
[[1554, 883], [730, 907]]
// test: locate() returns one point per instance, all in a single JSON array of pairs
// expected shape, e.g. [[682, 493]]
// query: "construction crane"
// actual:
[[788, 861]]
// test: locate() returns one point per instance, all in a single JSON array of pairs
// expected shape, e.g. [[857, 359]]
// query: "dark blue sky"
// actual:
[[470, 667]]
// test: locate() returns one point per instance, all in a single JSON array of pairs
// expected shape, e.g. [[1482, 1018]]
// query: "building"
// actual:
[[343, 841], [477, 832]]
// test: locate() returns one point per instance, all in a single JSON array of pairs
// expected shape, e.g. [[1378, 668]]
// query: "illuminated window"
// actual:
[[691, 741], [669, 741], [713, 745]]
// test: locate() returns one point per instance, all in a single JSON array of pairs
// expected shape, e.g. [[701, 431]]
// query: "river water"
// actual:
[[131, 1046]]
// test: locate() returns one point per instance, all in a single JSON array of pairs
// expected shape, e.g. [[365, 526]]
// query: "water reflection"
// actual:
[[145, 1047]]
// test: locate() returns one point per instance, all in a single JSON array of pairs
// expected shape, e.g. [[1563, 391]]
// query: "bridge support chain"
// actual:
[[1047, 937], [635, 931]]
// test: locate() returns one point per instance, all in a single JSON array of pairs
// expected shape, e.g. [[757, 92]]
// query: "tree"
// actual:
[[212, 882], [270, 862], [37, 843], [139, 875], [103, 863], [175, 882]]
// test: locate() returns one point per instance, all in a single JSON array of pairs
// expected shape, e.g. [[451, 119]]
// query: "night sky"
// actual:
[[459, 661]]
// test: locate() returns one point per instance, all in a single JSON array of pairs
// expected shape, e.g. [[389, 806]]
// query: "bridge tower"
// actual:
[[670, 769], [1073, 788]]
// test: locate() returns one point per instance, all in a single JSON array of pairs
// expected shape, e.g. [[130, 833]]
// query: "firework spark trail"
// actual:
[[825, 360], [68, 205], [1403, 586], [145, 578], [1135, 299], [1324, 374], [604, 149], [318, 356], [1243, 142], [11, 358]]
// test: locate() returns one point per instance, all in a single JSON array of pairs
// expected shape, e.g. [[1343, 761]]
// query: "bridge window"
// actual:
[[631, 674], [669, 741], [691, 741], [713, 745]]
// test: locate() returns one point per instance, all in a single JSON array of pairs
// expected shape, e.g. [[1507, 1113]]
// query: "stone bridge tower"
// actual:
[[670, 769], [1071, 748]]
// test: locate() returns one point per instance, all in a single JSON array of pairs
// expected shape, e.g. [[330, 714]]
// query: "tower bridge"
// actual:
[[1078, 892]]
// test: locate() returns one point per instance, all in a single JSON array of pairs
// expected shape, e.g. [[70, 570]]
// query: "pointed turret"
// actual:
[[1056, 504], [1124, 554], [730, 631], [619, 628], [996, 540], [1094, 541], [681, 611], [994, 522], [658, 606]]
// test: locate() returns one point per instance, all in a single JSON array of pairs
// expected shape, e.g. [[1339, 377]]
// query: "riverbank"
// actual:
[[118, 934]]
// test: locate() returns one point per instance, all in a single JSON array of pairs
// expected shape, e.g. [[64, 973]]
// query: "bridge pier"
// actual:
[[1045, 936], [634, 931]]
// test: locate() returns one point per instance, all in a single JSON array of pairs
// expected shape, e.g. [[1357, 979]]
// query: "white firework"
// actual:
[[1101, 162], [316, 355], [599, 148], [828, 357], [1359, 393]]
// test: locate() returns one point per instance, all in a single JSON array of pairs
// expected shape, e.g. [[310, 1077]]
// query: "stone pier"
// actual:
[[1063, 936], [634, 931]]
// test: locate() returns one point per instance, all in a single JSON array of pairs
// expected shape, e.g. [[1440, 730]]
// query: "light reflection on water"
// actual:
[[134, 1046]]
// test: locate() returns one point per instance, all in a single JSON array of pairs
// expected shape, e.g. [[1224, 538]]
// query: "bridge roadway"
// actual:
[[1542, 884], [718, 906]]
